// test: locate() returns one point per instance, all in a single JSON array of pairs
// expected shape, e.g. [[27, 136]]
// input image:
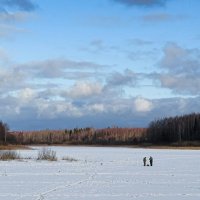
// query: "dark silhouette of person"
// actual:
[[151, 161], [144, 161]]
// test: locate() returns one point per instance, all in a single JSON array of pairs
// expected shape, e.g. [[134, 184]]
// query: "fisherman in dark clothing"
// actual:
[[151, 161], [144, 161]]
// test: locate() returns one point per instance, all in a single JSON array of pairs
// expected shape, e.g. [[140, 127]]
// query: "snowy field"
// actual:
[[102, 173]]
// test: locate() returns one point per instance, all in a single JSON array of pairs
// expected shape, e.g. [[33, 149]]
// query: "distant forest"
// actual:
[[175, 129], [170, 130]]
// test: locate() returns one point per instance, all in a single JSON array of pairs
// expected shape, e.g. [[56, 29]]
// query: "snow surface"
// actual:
[[102, 173]]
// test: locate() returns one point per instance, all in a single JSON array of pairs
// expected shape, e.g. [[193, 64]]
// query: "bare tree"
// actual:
[[3, 131]]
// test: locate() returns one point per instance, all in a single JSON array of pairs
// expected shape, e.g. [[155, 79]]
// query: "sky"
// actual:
[[98, 63]]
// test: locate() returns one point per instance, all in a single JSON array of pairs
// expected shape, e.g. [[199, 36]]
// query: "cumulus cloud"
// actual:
[[181, 69], [97, 108], [11, 79], [181, 84], [9, 107], [29, 106], [56, 109], [180, 60], [143, 105], [27, 95], [67, 114], [175, 106], [142, 3], [126, 78], [26, 5], [85, 89]]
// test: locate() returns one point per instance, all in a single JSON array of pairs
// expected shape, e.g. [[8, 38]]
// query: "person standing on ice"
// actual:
[[144, 161], [151, 161]]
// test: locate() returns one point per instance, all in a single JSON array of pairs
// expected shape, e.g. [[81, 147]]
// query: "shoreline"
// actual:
[[169, 147]]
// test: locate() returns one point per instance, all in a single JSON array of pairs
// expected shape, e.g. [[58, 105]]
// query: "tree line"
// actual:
[[111, 136], [167, 130], [175, 129]]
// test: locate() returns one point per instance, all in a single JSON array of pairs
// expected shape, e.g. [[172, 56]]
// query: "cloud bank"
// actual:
[[84, 93]]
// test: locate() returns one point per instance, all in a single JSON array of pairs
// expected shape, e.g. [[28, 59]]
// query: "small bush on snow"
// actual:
[[9, 155], [47, 154], [67, 158]]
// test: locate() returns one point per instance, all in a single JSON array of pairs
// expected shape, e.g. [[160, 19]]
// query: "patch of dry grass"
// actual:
[[47, 154], [69, 159], [13, 147], [9, 155]]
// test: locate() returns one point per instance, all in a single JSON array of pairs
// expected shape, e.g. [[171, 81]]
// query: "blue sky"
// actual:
[[98, 63]]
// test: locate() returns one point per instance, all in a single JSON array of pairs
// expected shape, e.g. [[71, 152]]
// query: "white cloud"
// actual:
[[11, 79], [127, 78], [85, 89], [59, 68], [180, 60], [143, 105], [181, 84], [56, 109], [96, 108], [27, 95], [181, 70]]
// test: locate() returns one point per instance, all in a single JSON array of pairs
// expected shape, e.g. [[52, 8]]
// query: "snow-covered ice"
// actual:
[[102, 173]]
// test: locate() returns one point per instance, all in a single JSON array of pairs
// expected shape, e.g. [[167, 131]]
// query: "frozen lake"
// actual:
[[103, 173]]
